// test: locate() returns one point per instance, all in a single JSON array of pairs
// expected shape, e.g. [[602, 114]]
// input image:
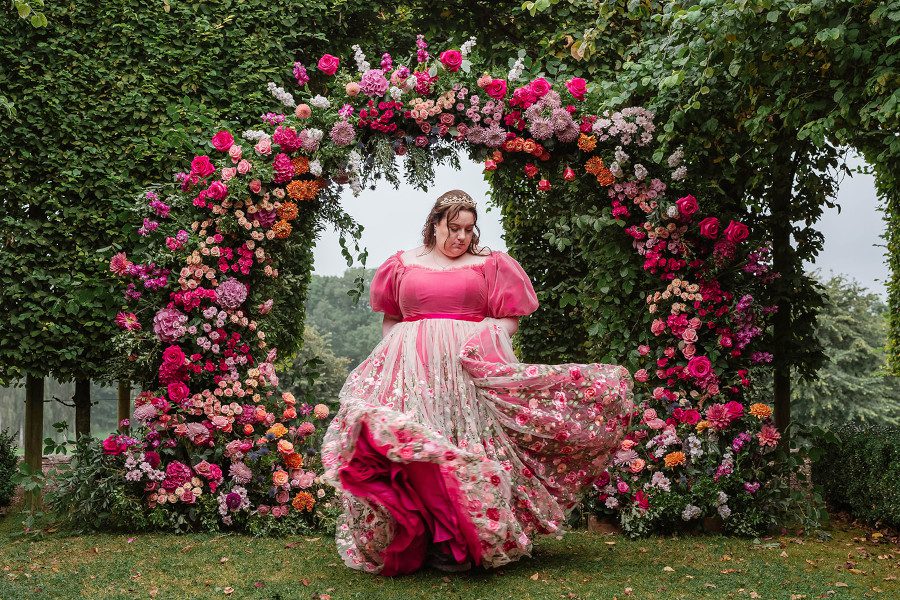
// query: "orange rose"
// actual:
[[285, 447], [289, 413], [248, 429], [279, 477]]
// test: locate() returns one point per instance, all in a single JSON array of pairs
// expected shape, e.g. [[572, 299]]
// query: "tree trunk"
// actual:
[[124, 401], [82, 407], [784, 262], [34, 430]]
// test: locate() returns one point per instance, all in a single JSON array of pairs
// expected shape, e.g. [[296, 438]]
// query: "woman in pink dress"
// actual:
[[446, 448]]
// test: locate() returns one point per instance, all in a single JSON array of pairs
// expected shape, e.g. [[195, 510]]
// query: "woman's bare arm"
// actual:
[[388, 324]]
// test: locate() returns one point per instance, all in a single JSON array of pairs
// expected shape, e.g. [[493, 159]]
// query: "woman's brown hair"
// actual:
[[451, 211]]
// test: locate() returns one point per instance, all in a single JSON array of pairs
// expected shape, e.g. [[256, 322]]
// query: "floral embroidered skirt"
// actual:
[[445, 443]]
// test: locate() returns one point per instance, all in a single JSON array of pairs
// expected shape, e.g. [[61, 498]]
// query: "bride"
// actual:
[[446, 449]]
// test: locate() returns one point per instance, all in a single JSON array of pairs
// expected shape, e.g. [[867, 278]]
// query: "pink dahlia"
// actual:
[[718, 416], [119, 264], [342, 133], [768, 436]]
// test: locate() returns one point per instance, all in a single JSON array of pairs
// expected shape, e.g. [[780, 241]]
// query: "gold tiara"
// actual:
[[457, 199]]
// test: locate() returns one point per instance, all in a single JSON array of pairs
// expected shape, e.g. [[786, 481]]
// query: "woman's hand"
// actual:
[[387, 324]]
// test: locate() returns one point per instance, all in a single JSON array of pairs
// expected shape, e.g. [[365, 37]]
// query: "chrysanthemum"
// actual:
[[302, 190], [674, 459], [594, 165], [288, 210], [303, 501], [760, 411], [587, 143], [282, 229]]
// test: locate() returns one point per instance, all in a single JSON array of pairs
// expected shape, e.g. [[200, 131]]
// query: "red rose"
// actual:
[[222, 141], [577, 87], [544, 185], [602, 480], [709, 227], [112, 447], [174, 356], [699, 367], [642, 500], [687, 205], [736, 232], [328, 64], [202, 166], [496, 89], [451, 59], [568, 174], [531, 170], [539, 87], [177, 391]]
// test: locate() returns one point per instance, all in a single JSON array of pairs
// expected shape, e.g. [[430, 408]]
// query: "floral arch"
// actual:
[[220, 277]]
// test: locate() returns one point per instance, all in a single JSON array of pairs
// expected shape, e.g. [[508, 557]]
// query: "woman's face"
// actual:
[[453, 238]]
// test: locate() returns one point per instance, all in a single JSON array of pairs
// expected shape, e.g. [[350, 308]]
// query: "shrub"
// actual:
[[859, 471], [8, 462]]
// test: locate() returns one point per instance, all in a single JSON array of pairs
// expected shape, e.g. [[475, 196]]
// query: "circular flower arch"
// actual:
[[215, 443]]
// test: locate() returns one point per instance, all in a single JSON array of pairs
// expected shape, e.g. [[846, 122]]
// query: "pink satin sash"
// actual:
[[444, 316]]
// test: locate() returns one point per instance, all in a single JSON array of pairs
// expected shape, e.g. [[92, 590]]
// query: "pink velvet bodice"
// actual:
[[497, 288]]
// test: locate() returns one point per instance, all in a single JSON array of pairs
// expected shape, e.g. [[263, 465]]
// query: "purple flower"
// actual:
[[300, 74], [232, 500]]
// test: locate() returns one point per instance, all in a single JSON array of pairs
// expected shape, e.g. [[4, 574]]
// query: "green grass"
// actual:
[[581, 565]]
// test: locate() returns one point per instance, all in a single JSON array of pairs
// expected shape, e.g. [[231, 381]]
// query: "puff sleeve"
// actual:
[[510, 293], [384, 288]]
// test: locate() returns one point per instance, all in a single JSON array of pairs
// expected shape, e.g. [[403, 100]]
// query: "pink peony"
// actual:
[[687, 205], [222, 141], [451, 59], [709, 228], [577, 87], [699, 367], [736, 232], [329, 64]]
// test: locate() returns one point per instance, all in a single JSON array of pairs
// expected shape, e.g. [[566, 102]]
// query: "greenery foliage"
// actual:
[[8, 462], [860, 471]]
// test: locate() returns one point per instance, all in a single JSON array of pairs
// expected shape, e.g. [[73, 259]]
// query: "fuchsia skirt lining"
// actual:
[[425, 505]]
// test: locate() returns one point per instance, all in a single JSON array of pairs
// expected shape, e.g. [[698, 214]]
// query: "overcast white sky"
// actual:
[[393, 220]]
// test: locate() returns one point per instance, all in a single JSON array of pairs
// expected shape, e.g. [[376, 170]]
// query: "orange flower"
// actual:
[[293, 461], [674, 459], [301, 165], [518, 144], [303, 189], [497, 156], [587, 143], [702, 425], [285, 447], [303, 501], [529, 146], [288, 210], [594, 165], [605, 178], [760, 411], [280, 477], [277, 430], [282, 229]]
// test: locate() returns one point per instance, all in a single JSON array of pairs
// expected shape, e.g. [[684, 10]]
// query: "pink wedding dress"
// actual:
[[444, 442]]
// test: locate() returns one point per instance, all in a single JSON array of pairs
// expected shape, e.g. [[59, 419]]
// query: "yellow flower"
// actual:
[[702, 425], [277, 430]]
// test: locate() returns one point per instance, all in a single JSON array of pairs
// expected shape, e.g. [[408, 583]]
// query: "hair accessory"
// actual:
[[457, 199]]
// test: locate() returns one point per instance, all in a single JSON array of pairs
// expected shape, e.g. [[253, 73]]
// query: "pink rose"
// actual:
[[328, 64], [217, 190], [641, 375], [243, 167], [222, 141], [709, 227], [643, 349], [699, 367], [228, 173], [539, 87], [451, 59], [577, 87], [649, 415], [689, 350], [255, 186], [173, 356], [202, 166], [531, 371], [496, 89], [687, 205], [235, 152], [637, 465], [734, 409], [736, 232], [689, 335], [622, 487], [658, 326], [263, 147]]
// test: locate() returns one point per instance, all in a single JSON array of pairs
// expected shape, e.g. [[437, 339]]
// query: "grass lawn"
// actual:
[[581, 565]]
